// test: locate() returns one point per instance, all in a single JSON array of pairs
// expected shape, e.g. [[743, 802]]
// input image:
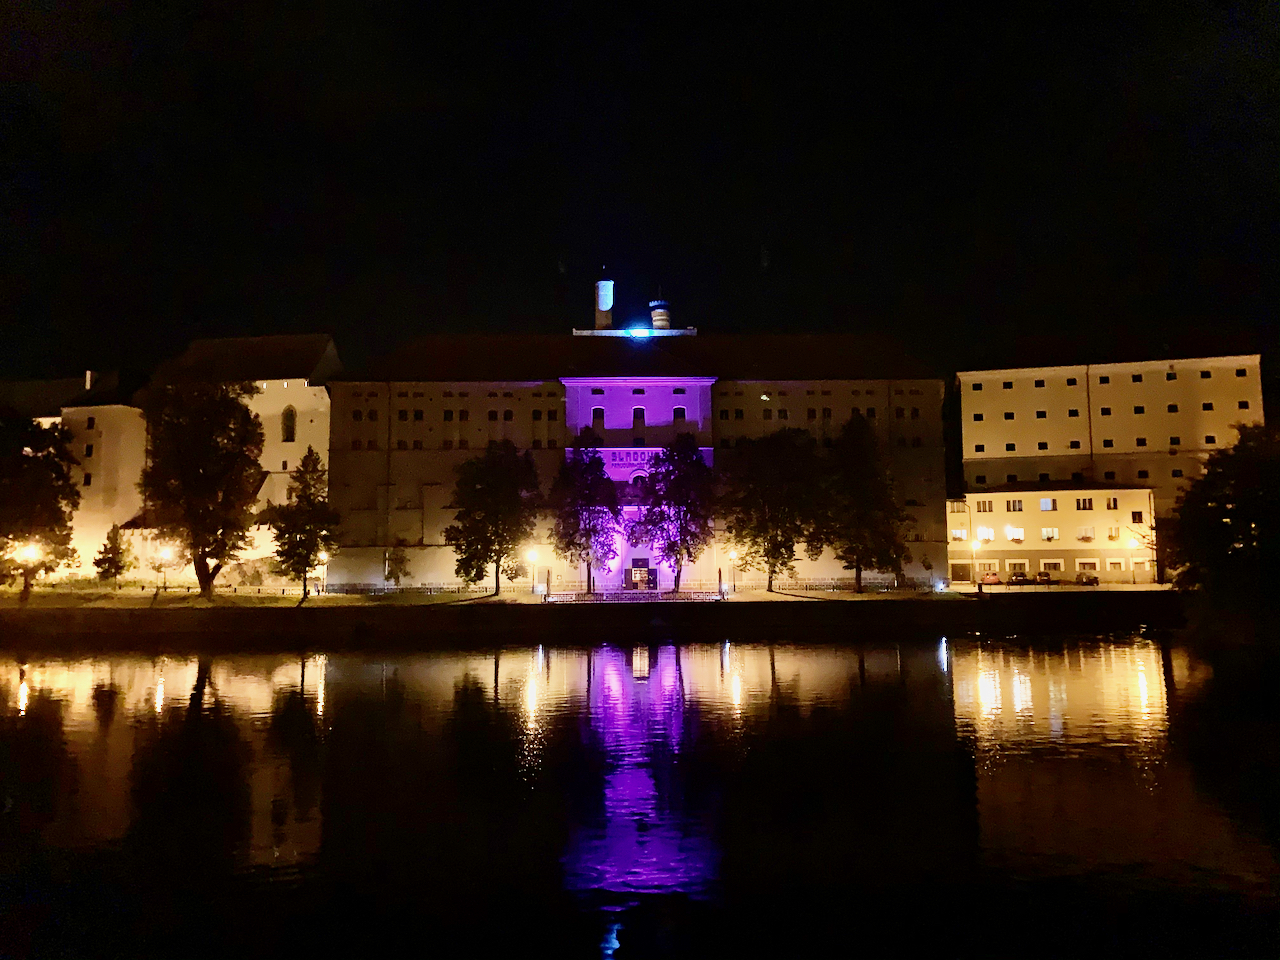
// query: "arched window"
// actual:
[[289, 425], [678, 414], [597, 416], [637, 417]]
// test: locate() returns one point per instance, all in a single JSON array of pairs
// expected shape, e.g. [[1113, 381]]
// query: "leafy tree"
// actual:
[[1225, 534], [37, 499], [397, 566], [770, 502], [202, 477], [306, 526], [114, 558], [860, 520], [676, 506], [497, 500], [585, 516]]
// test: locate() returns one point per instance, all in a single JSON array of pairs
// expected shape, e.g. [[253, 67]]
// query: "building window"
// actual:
[[986, 533], [1137, 378], [782, 413], [1013, 506], [288, 425], [88, 479], [508, 415], [637, 416], [1176, 473], [1044, 478], [537, 416], [1073, 413], [355, 444], [448, 393], [1173, 408], [738, 414], [597, 392], [371, 445], [768, 414], [1008, 414], [811, 414], [402, 416], [899, 413], [373, 415], [553, 416], [977, 418], [1205, 374], [1084, 503], [1142, 474], [417, 444], [1242, 405], [1174, 441], [1113, 503], [1171, 375], [493, 393], [1071, 381], [1210, 439], [1074, 445], [463, 443], [979, 448], [91, 422], [1042, 445], [88, 449], [1042, 414], [960, 534], [537, 444], [1077, 477], [1109, 475], [464, 416], [1136, 516], [827, 393], [493, 415], [448, 416], [871, 413], [1011, 478], [1241, 372], [357, 415], [1010, 447], [418, 415], [1108, 443], [637, 391], [1105, 411], [1141, 441], [1048, 504], [679, 414], [1206, 406], [977, 386], [980, 479], [1008, 384], [1104, 379], [679, 391], [1039, 383], [1016, 534], [597, 416], [984, 506], [724, 414], [1048, 533], [1139, 409], [402, 444], [552, 443], [826, 413]]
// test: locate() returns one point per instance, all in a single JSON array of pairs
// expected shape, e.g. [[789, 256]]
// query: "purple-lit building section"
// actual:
[[643, 840]]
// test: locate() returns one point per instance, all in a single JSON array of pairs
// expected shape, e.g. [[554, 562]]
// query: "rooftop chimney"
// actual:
[[660, 314], [604, 304]]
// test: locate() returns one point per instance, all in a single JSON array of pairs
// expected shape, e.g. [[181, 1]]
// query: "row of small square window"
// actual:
[[636, 391], [1047, 504], [981, 478], [1106, 411], [1105, 379], [812, 393], [899, 413], [461, 393], [726, 443], [462, 444], [1210, 440], [447, 415]]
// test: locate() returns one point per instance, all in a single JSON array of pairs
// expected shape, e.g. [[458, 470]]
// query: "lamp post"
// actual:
[[1133, 545], [532, 557], [974, 544], [322, 561], [733, 569], [165, 556]]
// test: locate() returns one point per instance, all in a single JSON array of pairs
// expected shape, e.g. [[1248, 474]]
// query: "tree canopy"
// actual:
[[497, 499], [202, 477], [305, 527], [37, 498], [676, 508], [1225, 528], [115, 557], [860, 519], [584, 511], [771, 498]]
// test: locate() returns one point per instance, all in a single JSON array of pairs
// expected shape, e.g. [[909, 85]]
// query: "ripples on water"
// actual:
[[647, 799]]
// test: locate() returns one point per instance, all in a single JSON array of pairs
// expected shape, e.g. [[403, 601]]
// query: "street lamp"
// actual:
[[29, 553], [975, 543], [733, 569], [532, 557], [165, 556], [322, 558]]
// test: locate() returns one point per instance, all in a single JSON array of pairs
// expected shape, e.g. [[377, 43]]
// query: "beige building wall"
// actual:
[[1106, 531], [280, 455], [1150, 423]]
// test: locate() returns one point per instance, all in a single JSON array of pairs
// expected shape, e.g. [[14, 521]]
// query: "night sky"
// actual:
[[1058, 182]]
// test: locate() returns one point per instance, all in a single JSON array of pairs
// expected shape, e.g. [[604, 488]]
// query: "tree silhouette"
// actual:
[[114, 558], [202, 477], [583, 504], [676, 506], [771, 500], [497, 500], [306, 527], [37, 499]]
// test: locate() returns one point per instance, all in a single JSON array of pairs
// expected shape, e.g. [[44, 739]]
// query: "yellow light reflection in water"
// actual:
[[160, 693], [321, 664], [23, 693], [735, 688]]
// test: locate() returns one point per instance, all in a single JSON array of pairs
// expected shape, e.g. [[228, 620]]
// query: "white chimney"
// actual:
[[88, 380], [604, 304]]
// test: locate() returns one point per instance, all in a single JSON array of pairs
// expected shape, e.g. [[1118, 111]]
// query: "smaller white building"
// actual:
[[1104, 531]]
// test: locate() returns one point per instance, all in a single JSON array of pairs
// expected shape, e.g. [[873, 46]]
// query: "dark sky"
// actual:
[[1080, 181]]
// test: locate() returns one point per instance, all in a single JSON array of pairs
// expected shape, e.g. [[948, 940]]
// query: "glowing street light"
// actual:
[[165, 556], [532, 557], [29, 553]]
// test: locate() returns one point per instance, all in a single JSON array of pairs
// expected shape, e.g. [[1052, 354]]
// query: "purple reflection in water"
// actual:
[[644, 842]]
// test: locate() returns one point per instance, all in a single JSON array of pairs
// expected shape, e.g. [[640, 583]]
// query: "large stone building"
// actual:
[[402, 427]]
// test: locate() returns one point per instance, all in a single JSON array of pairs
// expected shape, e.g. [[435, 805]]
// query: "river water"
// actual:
[[963, 796]]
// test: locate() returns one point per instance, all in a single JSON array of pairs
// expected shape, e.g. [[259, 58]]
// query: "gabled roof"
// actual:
[[309, 356], [533, 358], [48, 398]]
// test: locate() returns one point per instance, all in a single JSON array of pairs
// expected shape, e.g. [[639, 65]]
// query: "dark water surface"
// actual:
[[961, 798]]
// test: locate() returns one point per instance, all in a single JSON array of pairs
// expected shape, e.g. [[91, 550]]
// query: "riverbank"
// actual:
[[326, 625]]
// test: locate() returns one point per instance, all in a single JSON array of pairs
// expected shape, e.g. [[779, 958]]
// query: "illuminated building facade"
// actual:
[[402, 427]]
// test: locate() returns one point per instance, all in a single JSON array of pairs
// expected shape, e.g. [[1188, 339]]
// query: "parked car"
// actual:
[[1086, 579], [991, 578], [1018, 579], [1045, 577]]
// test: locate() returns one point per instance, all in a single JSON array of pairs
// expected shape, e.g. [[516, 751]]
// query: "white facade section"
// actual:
[[1105, 531], [1149, 423], [294, 415]]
